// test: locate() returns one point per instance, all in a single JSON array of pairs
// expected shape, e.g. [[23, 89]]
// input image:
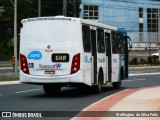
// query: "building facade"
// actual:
[[141, 18]]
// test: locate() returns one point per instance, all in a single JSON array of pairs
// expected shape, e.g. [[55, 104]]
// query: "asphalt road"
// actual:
[[5, 63], [24, 97]]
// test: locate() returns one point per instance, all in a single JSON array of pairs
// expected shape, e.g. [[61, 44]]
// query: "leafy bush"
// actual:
[[155, 60], [135, 61], [150, 60], [142, 61]]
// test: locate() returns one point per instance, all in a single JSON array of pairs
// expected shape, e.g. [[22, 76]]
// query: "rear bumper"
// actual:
[[75, 78]]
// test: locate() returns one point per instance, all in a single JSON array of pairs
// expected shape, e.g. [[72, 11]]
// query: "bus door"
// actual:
[[94, 55], [86, 32], [108, 56], [90, 54], [128, 43]]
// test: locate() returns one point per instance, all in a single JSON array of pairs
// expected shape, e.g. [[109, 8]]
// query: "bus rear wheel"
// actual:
[[51, 89], [117, 85]]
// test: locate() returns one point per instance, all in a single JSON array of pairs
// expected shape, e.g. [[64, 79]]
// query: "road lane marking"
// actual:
[[132, 74], [133, 80], [27, 91], [1, 94]]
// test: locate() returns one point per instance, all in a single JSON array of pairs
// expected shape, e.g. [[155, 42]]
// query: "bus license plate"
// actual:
[[49, 72], [60, 57]]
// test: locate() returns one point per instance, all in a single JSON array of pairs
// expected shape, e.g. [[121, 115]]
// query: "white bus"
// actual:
[[63, 51]]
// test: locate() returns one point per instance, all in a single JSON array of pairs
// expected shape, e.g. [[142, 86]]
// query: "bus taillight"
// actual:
[[24, 64], [75, 63]]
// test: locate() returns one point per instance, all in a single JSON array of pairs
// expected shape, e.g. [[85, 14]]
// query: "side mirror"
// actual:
[[129, 43]]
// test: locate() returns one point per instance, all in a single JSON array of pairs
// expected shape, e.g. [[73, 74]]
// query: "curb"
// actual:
[[10, 82], [104, 105], [108, 102], [143, 67]]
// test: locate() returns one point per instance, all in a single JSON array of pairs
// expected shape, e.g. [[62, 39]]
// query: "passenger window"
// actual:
[[121, 43], [115, 46], [100, 41], [86, 38]]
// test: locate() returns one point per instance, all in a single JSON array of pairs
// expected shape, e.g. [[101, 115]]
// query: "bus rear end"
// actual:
[[50, 52]]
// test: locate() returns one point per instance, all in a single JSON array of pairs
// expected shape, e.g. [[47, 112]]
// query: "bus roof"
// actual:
[[123, 31], [70, 18], [98, 24]]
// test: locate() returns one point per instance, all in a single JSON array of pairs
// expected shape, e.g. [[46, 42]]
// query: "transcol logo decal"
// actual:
[[50, 66], [35, 55]]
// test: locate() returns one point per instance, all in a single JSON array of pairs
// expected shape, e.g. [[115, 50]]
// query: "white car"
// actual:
[[156, 54]]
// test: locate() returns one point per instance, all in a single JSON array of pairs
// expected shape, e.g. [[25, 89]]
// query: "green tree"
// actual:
[[55, 7], [27, 9], [7, 22]]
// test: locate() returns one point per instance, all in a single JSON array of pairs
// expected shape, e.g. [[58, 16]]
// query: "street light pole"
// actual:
[[65, 7], [39, 8], [149, 46], [74, 2], [15, 34]]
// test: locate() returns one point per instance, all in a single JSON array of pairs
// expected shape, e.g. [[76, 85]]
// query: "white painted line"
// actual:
[[0, 94], [133, 80], [157, 73], [27, 91]]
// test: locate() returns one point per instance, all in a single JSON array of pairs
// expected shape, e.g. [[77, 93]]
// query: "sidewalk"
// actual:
[[146, 101]]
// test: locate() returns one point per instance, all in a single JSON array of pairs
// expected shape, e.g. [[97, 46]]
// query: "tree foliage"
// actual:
[[27, 9]]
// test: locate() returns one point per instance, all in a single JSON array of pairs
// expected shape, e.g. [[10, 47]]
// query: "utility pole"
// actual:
[[65, 7], [159, 33], [39, 8], [15, 34], [74, 2]]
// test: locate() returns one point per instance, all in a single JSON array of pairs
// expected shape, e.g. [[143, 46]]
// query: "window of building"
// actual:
[[140, 19], [90, 12], [86, 38], [140, 12], [152, 19], [100, 41]]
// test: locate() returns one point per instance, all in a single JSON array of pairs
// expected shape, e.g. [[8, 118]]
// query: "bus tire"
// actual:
[[98, 88], [51, 89], [117, 85]]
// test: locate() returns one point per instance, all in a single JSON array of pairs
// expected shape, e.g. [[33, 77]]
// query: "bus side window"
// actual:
[[100, 41], [121, 43], [115, 46], [86, 38]]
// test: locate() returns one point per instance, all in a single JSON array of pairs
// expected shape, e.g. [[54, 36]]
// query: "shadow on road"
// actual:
[[78, 93]]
